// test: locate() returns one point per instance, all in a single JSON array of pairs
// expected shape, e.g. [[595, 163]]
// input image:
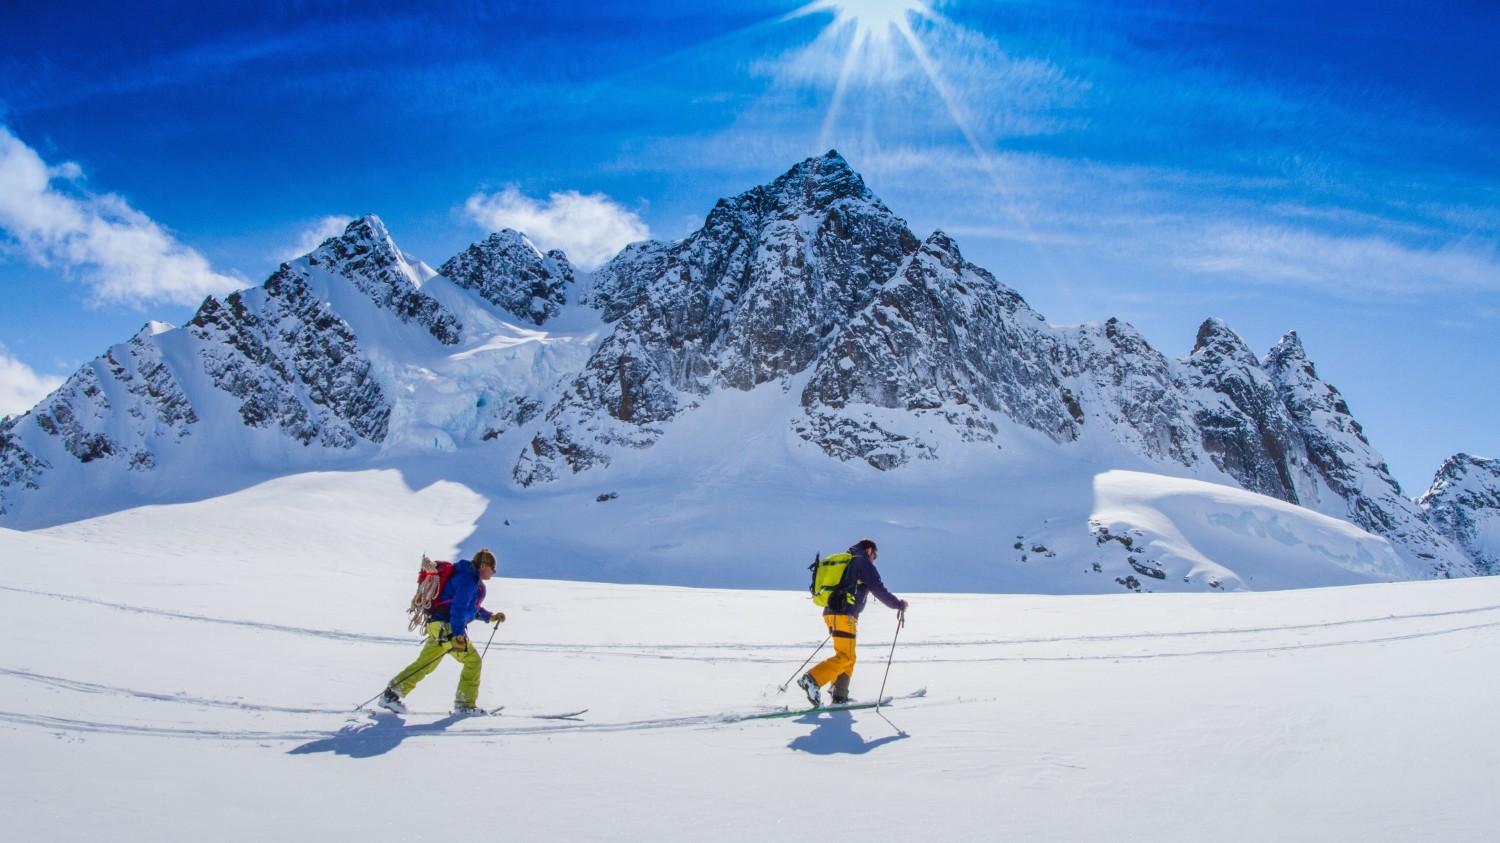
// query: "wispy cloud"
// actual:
[[313, 237], [1177, 227], [590, 228], [1354, 265], [20, 386], [120, 253]]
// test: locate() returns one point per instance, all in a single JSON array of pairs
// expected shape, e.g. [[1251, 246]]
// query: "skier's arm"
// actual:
[[871, 578]]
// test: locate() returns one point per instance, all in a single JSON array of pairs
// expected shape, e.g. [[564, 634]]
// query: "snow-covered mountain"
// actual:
[[1464, 504], [804, 353]]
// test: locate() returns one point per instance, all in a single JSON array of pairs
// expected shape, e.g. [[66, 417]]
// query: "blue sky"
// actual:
[[1320, 166]]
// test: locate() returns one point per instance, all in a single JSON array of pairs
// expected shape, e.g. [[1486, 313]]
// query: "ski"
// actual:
[[820, 709], [496, 712], [567, 715], [854, 706], [489, 712]]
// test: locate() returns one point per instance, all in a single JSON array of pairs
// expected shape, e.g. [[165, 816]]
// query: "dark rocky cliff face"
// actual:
[[941, 336], [293, 364], [365, 256], [506, 270], [1245, 429], [750, 298], [1131, 390]]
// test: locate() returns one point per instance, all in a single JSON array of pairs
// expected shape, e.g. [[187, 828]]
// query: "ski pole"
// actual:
[[784, 685], [495, 629], [434, 660], [402, 677], [900, 622]]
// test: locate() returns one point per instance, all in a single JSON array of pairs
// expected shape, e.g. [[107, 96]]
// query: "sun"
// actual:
[[872, 20], [875, 20]]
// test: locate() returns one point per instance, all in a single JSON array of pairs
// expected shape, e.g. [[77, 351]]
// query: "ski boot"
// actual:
[[391, 701], [814, 694]]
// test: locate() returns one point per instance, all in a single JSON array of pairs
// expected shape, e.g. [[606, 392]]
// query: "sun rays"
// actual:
[[873, 34]]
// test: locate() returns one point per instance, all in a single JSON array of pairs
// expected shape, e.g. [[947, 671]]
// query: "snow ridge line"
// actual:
[[1233, 651], [182, 699], [1196, 633], [72, 725], [168, 613]]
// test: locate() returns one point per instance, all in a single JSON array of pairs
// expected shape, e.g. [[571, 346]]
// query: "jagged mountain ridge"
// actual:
[[892, 344]]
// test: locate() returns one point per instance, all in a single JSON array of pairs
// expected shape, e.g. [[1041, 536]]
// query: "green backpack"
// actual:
[[828, 585]]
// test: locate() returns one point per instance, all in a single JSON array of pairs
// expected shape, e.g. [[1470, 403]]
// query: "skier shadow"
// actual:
[[367, 740], [833, 734]]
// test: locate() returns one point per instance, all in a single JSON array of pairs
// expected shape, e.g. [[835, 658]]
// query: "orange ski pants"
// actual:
[[842, 628]]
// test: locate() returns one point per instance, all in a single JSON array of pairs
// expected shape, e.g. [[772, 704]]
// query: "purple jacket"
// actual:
[[459, 601], [866, 581]]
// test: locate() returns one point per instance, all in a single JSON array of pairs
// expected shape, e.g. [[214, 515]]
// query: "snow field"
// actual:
[[178, 672]]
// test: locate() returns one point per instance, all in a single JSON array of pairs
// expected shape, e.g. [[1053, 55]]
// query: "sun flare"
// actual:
[[872, 20]]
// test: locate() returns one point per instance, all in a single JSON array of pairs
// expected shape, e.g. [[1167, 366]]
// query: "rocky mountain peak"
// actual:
[[820, 182], [1476, 479], [1304, 392], [1288, 360], [1464, 504], [508, 270], [367, 257], [1246, 429], [1217, 341], [813, 189], [364, 242]]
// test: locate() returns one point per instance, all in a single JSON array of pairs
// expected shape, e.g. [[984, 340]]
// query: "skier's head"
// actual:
[[484, 562], [868, 546]]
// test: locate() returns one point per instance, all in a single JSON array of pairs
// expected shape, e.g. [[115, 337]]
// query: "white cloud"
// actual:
[[589, 229], [312, 238], [21, 387], [122, 254]]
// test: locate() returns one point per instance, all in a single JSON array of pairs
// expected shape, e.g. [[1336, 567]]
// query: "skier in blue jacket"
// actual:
[[460, 602]]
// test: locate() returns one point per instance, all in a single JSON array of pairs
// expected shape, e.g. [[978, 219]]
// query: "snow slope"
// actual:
[[188, 671]]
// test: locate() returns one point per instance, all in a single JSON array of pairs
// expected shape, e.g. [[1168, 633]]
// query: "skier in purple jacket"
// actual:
[[842, 621]]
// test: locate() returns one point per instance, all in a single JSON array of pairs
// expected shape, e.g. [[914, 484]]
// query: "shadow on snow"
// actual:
[[833, 734], [367, 740]]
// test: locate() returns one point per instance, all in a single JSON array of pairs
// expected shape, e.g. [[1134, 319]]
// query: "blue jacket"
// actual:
[[459, 601], [866, 581]]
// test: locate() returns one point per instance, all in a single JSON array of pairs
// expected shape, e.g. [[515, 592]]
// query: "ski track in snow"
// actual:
[[677, 651]]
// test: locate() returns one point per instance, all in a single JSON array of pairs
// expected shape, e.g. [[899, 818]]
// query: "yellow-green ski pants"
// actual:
[[438, 643]]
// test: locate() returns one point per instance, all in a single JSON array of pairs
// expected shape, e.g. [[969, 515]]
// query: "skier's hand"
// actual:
[[497, 618], [905, 605], [459, 642]]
